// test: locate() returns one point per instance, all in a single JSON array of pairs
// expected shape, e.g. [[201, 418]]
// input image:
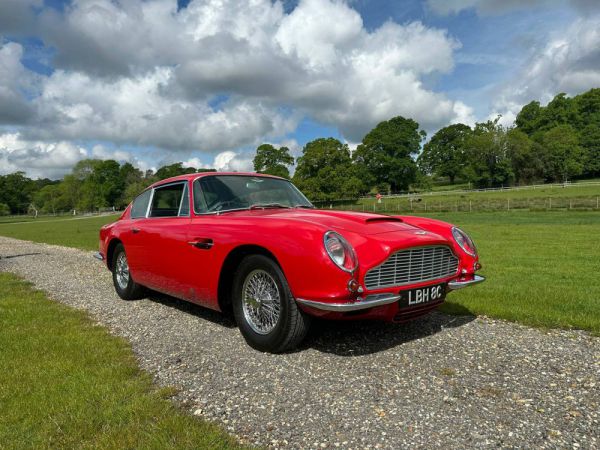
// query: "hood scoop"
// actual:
[[382, 219]]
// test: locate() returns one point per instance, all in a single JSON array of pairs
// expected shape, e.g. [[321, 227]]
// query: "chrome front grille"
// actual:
[[413, 265]]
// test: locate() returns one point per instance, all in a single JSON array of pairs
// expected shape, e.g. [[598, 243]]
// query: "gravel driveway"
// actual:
[[438, 382]]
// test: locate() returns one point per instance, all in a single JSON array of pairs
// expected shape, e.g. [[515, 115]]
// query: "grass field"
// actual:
[[80, 232], [541, 266], [67, 383], [546, 198]]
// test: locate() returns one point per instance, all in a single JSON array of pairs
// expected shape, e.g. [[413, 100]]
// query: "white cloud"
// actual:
[[14, 80], [569, 63], [37, 159], [41, 159], [220, 75], [229, 161]]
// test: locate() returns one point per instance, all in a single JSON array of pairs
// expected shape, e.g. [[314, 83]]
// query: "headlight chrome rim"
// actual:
[[460, 237], [347, 248]]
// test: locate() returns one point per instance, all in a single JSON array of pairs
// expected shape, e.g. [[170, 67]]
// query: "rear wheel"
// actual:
[[264, 308], [126, 288]]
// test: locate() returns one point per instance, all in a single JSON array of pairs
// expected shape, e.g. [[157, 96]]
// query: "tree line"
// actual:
[[552, 143], [92, 185]]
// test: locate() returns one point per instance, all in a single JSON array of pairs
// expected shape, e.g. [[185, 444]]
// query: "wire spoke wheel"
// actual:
[[122, 270], [261, 301]]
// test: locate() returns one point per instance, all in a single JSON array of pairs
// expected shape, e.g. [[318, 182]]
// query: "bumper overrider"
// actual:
[[374, 300]]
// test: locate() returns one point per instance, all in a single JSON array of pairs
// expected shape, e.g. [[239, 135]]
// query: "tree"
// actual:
[[273, 161], [488, 156], [564, 158], [16, 191], [387, 152], [4, 209], [325, 171], [528, 119], [527, 163], [444, 154], [173, 170]]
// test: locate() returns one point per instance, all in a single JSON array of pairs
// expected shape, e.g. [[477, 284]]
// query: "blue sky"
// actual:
[[156, 81]]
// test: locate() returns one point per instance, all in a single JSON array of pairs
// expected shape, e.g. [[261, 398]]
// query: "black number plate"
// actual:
[[422, 296]]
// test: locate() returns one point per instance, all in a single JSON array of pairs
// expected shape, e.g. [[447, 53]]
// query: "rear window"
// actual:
[[140, 204]]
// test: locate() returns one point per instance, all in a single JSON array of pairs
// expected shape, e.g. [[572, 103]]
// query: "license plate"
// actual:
[[422, 296]]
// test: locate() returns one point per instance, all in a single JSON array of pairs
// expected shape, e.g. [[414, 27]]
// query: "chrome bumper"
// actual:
[[373, 300], [454, 285], [370, 301], [99, 256]]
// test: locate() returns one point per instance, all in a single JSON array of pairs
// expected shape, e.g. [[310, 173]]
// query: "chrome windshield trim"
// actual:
[[456, 284], [370, 301]]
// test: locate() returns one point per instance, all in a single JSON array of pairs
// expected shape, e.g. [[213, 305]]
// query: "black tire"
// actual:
[[292, 324], [131, 290]]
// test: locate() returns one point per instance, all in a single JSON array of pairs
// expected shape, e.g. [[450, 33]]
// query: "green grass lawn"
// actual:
[[541, 268], [67, 383], [572, 197], [81, 232]]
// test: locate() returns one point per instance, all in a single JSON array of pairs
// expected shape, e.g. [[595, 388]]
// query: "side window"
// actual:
[[140, 204], [184, 207], [166, 200]]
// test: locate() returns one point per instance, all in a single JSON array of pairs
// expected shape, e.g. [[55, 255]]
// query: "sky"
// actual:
[[206, 81]]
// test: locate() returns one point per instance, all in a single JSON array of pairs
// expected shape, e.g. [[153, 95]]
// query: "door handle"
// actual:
[[204, 244], [135, 230]]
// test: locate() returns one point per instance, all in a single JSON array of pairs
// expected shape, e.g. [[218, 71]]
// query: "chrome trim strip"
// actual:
[[454, 285], [99, 256], [370, 301]]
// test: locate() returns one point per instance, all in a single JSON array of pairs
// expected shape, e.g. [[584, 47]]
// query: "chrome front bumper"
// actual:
[[369, 301], [99, 256], [373, 300], [456, 284]]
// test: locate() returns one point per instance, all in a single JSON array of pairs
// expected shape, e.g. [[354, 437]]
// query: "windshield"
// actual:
[[217, 193]]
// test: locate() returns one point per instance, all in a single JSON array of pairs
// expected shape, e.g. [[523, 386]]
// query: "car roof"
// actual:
[[193, 176]]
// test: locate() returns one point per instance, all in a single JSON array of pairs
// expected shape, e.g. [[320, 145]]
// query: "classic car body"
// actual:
[[391, 268]]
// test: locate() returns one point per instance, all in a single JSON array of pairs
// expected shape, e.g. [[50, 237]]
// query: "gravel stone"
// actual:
[[438, 382]]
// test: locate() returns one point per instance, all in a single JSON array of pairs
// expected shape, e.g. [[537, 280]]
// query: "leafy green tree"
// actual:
[[444, 154], [528, 119], [273, 161], [527, 163], [564, 157], [173, 170], [488, 156], [4, 209], [387, 152], [325, 171], [16, 191]]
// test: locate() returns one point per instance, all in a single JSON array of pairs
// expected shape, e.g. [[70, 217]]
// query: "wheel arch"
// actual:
[[230, 264], [110, 250]]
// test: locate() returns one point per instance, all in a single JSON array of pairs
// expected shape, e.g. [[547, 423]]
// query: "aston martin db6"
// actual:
[[254, 246]]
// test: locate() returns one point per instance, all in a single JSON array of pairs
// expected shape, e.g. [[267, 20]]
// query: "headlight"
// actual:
[[340, 251], [465, 242]]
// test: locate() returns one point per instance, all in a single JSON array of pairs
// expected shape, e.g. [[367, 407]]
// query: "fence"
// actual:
[[421, 205], [497, 189]]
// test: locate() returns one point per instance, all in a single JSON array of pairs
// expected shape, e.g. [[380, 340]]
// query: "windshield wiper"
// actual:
[[268, 205], [304, 206]]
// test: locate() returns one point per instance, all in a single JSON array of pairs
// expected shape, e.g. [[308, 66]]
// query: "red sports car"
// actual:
[[255, 245]]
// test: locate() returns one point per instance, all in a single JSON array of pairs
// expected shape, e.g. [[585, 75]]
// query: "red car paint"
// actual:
[[161, 257]]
